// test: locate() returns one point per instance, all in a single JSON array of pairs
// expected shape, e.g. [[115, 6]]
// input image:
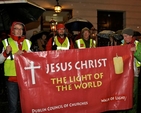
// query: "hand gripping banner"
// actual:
[[90, 80]]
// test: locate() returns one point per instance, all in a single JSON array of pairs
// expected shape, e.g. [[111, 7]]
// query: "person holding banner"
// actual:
[[60, 41], [16, 44], [85, 41], [129, 39]]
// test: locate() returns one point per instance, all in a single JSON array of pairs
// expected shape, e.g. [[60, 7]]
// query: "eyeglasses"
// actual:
[[18, 29]]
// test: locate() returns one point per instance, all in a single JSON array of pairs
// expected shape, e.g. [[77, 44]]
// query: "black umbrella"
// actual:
[[34, 39], [118, 37], [137, 33], [22, 11], [38, 35], [77, 24]]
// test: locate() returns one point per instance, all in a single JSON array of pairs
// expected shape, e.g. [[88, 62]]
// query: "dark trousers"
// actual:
[[135, 98], [13, 96]]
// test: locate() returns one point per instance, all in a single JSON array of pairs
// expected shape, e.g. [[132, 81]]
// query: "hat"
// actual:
[[128, 31], [59, 26], [85, 29]]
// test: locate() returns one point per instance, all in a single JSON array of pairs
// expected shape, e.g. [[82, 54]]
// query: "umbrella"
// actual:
[[22, 11], [118, 35], [38, 35], [105, 34], [77, 24], [137, 33], [34, 38]]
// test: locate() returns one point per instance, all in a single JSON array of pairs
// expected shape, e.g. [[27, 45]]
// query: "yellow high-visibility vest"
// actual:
[[9, 65]]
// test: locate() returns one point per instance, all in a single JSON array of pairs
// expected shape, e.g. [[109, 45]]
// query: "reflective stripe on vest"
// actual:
[[28, 45], [80, 42], [62, 46], [9, 65], [94, 42], [79, 45], [138, 64], [6, 43]]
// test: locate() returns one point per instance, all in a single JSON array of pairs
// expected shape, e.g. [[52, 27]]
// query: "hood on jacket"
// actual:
[[16, 38]]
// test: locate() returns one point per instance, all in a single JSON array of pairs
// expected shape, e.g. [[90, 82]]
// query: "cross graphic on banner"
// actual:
[[32, 67]]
